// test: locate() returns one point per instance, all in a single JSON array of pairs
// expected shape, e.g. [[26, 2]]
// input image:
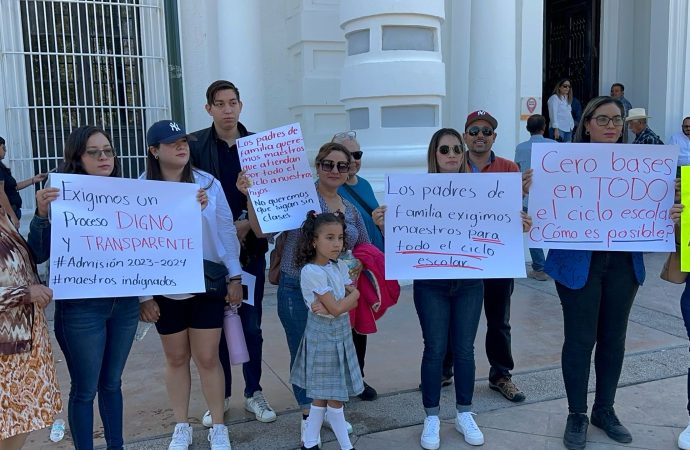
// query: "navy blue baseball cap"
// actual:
[[166, 132]]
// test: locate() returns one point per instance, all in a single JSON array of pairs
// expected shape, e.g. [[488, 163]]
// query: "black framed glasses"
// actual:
[[445, 149], [357, 155], [603, 121], [486, 131], [96, 154], [327, 165], [344, 136]]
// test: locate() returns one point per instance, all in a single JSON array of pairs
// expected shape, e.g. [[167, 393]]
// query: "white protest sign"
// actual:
[[602, 197], [452, 226], [282, 191], [120, 237]]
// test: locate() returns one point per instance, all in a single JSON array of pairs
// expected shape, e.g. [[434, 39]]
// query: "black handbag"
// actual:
[[214, 278]]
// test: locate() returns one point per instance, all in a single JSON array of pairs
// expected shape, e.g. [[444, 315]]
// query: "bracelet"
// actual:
[[235, 281]]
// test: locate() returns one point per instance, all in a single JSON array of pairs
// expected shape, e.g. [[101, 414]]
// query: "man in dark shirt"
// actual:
[[637, 122], [215, 152], [480, 134]]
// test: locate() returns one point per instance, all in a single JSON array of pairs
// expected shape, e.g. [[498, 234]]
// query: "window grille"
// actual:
[[68, 63]]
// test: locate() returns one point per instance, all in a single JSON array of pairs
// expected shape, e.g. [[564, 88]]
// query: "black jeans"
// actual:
[[497, 292], [597, 314], [251, 326], [685, 309], [360, 341]]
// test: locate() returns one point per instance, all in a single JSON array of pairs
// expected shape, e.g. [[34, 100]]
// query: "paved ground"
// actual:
[[651, 401]]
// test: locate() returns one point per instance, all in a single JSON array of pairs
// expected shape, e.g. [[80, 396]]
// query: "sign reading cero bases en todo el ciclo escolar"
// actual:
[[283, 190], [453, 226], [612, 197], [121, 237]]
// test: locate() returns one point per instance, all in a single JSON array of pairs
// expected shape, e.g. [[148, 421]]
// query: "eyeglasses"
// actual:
[[486, 131], [96, 154], [344, 136], [327, 165], [565, 86], [603, 121], [444, 149], [357, 155]]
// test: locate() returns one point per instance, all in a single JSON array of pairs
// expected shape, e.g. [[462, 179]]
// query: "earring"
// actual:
[[587, 132], [155, 155]]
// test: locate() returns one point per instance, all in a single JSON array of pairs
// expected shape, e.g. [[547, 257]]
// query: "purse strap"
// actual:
[[358, 199]]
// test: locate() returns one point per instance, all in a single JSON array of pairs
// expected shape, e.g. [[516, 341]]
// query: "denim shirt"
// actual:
[[571, 267]]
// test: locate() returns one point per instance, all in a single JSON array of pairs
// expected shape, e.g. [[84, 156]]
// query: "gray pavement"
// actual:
[[651, 401]]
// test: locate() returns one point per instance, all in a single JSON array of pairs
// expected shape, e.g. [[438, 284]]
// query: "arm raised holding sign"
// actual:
[[243, 184]]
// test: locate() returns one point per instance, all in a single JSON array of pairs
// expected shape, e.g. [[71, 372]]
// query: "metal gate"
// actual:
[[67, 63]]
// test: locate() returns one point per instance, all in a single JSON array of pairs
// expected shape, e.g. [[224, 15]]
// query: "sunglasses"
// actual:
[[344, 136], [96, 154], [357, 155], [486, 131], [444, 149], [565, 86], [327, 165]]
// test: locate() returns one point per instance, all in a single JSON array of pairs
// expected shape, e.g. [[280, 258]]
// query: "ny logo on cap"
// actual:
[[174, 126]]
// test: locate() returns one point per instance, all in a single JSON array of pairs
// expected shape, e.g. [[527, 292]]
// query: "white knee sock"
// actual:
[[337, 419], [314, 422]]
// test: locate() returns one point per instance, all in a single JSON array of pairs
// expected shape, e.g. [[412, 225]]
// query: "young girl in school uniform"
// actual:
[[326, 363]]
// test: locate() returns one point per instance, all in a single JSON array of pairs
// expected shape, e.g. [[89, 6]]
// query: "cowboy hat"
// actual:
[[636, 114]]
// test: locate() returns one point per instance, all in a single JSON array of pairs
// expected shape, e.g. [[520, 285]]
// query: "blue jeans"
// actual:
[[448, 307], [538, 259], [685, 309], [292, 312], [564, 136], [96, 336], [251, 326]]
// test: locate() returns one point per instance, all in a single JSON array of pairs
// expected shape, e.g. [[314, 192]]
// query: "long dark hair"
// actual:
[[432, 164], [580, 134], [310, 228], [153, 167], [75, 146]]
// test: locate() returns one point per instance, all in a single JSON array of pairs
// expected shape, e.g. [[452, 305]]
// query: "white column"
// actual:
[[239, 44], [396, 86], [531, 51], [494, 68]]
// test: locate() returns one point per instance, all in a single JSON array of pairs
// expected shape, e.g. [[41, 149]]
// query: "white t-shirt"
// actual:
[[316, 279], [682, 141]]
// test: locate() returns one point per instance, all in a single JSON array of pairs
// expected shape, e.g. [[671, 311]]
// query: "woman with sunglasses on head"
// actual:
[[596, 289], [332, 167], [190, 324], [560, 111], [95, 334]]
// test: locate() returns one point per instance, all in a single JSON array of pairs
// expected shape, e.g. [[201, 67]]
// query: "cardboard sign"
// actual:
[[114, 237], [452, 226], [283, 190], [602, 197]]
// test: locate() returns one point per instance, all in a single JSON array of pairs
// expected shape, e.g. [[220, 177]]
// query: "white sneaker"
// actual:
[[258, 405], [208, 421], [304, 428], [684, 439], [219, 438], [327, 424], [181, 438], [466, 425], [431, 439]]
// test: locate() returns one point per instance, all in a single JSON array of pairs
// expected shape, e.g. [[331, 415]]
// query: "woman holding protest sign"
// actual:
[[190, 325], [596, 289], [332, 167], [95, 335]]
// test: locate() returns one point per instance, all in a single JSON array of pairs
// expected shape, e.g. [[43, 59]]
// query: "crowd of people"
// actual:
[[317, 291]]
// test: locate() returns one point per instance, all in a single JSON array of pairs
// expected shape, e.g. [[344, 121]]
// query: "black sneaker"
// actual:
[[605, 418], [575, 436], [446, 380], [368, 394]]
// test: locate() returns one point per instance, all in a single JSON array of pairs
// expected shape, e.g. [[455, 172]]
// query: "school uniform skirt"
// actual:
[[326, 363]]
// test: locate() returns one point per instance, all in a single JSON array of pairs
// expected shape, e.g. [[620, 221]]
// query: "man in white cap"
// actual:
[[637, 122]]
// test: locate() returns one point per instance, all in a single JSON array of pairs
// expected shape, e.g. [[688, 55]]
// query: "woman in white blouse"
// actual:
[[190, 324], [560, 115]]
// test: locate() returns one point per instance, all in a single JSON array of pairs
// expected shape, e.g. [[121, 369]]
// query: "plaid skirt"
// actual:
[[326, 363]]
